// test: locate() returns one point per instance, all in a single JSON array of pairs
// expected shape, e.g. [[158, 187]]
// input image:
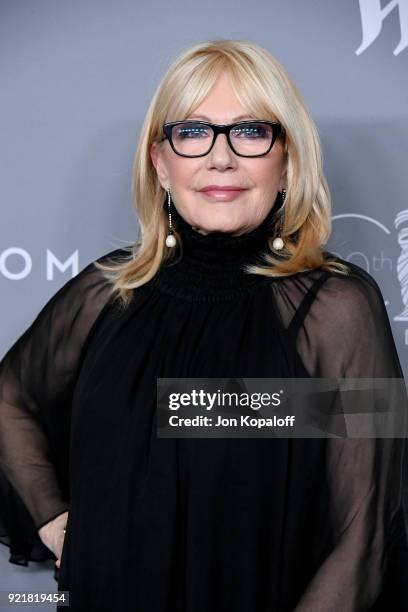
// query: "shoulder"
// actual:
[[337, 288], [91, 277], [355, 289], [83, 296], [349, 304], [331, 298], [326, 301], [353, 326]]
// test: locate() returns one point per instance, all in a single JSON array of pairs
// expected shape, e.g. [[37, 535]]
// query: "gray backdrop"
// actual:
[[75, 82]]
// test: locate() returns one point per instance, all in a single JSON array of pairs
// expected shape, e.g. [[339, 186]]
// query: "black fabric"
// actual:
[[192, 525]]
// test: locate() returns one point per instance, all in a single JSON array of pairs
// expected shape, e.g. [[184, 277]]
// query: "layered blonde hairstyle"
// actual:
[[264, 88]]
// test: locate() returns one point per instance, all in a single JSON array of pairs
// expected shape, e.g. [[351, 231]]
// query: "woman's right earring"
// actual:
[[278, 243], [170, 239]]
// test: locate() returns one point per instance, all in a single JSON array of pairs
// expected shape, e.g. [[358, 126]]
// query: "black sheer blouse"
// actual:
[[238, 525]]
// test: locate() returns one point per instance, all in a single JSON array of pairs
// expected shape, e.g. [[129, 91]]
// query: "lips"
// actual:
[[221, 188], [226, 193]]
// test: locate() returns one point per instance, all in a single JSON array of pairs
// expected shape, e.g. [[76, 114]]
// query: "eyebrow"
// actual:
[[232, 120]]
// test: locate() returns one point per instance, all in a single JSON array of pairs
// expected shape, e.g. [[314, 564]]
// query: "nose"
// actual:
[[221, 149], [222, 137]]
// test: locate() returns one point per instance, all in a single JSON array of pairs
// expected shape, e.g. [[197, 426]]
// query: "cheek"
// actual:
[[266, 178], [183, 175], [268, 174]]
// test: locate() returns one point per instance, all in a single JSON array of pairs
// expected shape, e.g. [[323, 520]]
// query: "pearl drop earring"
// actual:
[[170, 239], [278, 243]]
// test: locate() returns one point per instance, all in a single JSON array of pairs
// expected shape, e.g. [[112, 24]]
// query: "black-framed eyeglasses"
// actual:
[[253, 138]]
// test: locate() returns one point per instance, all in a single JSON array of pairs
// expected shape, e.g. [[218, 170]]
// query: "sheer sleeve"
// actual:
[[345, 333], [37, 379]]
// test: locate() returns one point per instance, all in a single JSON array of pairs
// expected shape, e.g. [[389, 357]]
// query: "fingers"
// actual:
[[62, 538]]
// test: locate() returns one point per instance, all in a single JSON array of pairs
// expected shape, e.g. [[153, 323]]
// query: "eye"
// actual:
[[190, 131], [252, 131]]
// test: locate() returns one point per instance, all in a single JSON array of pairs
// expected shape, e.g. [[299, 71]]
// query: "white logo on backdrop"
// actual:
[[372, 17], [401, 268], [52, 263], [402, 262]]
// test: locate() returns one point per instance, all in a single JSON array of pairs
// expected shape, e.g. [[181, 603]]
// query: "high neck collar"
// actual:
[[211, 267]]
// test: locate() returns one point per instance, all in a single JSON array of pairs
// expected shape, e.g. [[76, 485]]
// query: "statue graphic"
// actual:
[[402, 262]]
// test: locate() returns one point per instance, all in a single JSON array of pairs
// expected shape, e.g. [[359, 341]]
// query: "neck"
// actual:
[[212, 266]]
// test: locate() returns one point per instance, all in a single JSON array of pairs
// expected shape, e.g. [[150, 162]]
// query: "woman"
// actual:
[[231, 283]]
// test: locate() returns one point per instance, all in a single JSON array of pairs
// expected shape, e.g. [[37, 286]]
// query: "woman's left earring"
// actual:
[[170, 240], [278, 243]]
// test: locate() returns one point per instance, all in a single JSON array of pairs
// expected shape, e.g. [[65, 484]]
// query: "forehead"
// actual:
[[225, 119]]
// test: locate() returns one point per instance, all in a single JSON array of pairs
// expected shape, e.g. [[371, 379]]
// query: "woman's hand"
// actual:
[[52, 535]]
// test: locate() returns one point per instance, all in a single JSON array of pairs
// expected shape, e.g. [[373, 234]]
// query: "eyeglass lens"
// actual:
[[247, 138]]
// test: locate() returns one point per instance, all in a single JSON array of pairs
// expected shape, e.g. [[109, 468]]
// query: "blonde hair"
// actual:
[[264, 88]]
